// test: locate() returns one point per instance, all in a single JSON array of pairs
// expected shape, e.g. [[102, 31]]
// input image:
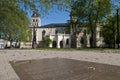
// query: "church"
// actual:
[[60, 35]]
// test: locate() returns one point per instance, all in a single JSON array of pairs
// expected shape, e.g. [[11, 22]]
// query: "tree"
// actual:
[[108, 34], [91, 12], [110, 31], [14, 22], [47, 42]]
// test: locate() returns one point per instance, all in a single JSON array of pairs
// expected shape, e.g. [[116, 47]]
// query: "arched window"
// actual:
[[36, 20], [43, 34], [101, 33], [56, 31], [82, 40], [67, 42], [33, 20]]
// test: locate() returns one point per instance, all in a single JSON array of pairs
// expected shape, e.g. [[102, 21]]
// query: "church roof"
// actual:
[[55, 25]]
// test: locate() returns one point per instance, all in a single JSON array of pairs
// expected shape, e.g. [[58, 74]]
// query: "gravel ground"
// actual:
[[8, 73]]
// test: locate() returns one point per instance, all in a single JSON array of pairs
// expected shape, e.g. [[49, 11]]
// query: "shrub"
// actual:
[[47, 42]]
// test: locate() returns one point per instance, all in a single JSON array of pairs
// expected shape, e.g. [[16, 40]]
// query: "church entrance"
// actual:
[[83, 41], [61, 44], [54, 44]]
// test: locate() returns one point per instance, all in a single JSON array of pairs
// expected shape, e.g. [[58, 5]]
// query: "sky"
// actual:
[[55, 17], [58, 16]]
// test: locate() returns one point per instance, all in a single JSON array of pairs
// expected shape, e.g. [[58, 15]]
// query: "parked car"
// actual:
[[2, 44]]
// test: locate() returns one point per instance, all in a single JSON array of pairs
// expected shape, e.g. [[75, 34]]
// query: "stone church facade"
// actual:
[[60, 35]]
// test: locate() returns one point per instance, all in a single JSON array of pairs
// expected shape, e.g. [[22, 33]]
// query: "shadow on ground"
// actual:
[[64, 69]]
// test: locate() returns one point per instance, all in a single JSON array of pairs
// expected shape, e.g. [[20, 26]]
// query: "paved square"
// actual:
[[6, 56], [65, 69]]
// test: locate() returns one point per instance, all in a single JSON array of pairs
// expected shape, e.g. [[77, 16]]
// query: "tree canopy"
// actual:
[[91, 12], [109, 31], [14, 22]]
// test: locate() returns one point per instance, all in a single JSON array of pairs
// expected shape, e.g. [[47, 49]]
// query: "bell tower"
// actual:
[[36, 21]]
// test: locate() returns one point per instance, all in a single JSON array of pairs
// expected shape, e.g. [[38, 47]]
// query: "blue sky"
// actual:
[[55, 17]]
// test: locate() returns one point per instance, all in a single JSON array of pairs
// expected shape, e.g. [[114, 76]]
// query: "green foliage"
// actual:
[[91, 9], [108, 34], [47, 41], [110, 30], [14, 22], [91, 12], [45, 5]]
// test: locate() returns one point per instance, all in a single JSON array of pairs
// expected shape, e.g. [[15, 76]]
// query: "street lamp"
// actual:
[[117, 28], [116, 8], [34, 38]]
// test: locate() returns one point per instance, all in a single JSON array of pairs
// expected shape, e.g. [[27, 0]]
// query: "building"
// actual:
[[60, 35]]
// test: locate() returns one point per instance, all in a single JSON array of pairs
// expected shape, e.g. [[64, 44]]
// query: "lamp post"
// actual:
[[116, 6], [117, 28], [114, 36], [34, 38]]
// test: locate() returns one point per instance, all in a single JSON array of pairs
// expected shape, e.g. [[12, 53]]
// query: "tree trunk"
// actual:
[[93, 34]]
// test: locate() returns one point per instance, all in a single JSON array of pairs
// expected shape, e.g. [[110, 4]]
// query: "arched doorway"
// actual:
[[91, 42], [67, 41], [61, 44], [43, 34], [54, 44], [82, 41]]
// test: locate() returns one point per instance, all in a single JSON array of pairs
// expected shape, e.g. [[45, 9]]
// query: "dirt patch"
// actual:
[[64, 69]]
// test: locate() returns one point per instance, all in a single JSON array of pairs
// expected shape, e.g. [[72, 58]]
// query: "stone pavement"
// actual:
[[7, 72], [64, 69]]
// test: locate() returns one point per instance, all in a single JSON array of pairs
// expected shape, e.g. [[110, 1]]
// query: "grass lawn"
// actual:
[[83, 49]]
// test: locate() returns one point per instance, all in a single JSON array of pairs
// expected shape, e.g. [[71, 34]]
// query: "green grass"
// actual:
[[79, 49], [70, 49]]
